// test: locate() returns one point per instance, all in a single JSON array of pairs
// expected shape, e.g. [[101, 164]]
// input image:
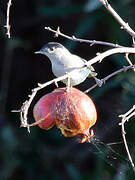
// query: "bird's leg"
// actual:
[[93, 74], [68, 84], [56, 84]]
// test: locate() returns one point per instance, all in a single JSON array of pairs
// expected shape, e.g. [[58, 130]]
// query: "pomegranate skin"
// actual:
[[42, 112], [73, 112]]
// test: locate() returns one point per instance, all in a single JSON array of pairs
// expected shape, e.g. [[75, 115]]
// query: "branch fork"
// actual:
[[125, 118]]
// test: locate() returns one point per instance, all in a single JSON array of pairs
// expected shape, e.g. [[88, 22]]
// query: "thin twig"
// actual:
[[92, 42], [124, 69], [7, 22], [73, 38], [128, 60], [120, 49], [127, 113], [123, 24], [125, 117]]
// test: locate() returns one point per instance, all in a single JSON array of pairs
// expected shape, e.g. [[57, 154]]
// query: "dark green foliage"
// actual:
[[47, 155]]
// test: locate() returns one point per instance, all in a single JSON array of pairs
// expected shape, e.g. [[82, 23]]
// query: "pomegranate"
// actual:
[[72, 111]]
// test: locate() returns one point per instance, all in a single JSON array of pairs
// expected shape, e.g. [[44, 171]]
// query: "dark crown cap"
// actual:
[[53, 44]]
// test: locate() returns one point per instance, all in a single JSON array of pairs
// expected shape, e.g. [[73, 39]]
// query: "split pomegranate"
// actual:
[[72, 111]]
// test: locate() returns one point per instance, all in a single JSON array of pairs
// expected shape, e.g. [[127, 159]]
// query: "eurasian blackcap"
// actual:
[[64, 62]]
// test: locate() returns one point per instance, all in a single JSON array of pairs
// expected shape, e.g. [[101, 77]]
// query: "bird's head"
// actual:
[[52, 49]]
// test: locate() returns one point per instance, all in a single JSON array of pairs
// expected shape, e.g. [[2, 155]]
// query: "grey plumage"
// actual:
[[63, 62]]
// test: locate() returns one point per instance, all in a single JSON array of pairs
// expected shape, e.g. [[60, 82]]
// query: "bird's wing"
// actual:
[[89, 66]]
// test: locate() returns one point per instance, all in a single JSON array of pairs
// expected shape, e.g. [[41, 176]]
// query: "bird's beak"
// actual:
[[38, 52], [41, 51]]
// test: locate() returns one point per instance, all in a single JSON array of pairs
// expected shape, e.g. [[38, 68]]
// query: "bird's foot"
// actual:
[[99, 82]]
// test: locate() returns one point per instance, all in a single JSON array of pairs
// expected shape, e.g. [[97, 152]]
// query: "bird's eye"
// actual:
[[51, 49]]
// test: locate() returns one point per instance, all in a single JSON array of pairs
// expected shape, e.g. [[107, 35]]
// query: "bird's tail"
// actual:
[[92, 71]]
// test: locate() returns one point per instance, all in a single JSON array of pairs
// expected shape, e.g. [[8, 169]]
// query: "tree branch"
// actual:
[[7, 22], [128, 60], [123, 24], [125, 117], [73, 38], [124, 69], [101, 56]]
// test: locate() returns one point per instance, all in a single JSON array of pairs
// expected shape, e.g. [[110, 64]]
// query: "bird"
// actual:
[[63, 62]]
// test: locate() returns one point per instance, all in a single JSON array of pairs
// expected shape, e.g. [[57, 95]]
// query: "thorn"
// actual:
[[57, 32], [98, 53], [92, 43], [124, 132], [73, 37], [121, 115], [16, 110], [127, 24], [56, 84], [39, 84], [125, 68]]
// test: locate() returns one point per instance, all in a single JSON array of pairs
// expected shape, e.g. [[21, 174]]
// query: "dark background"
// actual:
[[42, 154]]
